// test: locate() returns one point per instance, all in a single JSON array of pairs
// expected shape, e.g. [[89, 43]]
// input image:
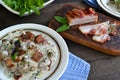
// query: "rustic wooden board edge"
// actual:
[[85, 43]]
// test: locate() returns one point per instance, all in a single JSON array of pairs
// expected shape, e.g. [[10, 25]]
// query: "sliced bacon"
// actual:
[[37, 56], [30, 35], [89, 11], [39, 39], [17, 77], [77, 13], [21, 52], [96, 29], [90, 29], [99, 31], [17, 59], [79, 16], [24, 37], [9, 63], [27, 36], [102, 38]]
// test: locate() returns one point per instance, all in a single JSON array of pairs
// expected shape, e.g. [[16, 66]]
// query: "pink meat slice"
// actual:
[[79, 16], [96, 29]]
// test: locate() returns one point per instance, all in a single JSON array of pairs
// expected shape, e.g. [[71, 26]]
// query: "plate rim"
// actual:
[[107, 9], [64, 57]]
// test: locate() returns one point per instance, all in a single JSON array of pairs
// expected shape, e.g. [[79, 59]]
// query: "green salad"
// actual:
[[23, 6], [116, 2], [114, 5]]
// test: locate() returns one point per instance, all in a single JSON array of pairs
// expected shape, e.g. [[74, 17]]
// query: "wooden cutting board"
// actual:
[[111, 47]]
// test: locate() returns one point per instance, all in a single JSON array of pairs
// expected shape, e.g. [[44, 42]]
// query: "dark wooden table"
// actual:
[[103, 66]]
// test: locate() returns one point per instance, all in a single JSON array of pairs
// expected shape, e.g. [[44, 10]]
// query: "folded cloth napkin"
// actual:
[[92, 3], [77, 69]]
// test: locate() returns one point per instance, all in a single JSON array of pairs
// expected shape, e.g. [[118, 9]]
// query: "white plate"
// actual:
[[103, 5], [16, 12], [53, 74]]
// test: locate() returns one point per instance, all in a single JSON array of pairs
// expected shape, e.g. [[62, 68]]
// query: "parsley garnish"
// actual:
[[14, 56], [60, 19], [64, 24], [62, 28]]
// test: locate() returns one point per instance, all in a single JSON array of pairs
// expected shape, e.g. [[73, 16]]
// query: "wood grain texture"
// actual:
[[111, 47]]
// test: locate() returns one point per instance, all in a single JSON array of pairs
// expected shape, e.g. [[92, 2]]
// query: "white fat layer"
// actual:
[[5, 53], [83, 20], [102, 27], [87, 28], [100, 38], [98, 35]]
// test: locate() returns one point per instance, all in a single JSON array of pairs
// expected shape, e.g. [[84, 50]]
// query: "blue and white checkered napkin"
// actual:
[[77, 69]]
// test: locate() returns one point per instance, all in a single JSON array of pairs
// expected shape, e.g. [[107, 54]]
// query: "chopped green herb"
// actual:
[[112, 28], [14, 56], [50, 54]]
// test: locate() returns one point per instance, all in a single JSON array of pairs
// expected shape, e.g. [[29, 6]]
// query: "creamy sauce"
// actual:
[[113, 7], [41, 69]]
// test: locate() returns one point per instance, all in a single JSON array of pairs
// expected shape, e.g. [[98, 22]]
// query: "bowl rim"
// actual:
[[104, 6], [62, 44]]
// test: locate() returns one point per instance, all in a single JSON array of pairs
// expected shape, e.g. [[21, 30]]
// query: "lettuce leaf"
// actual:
[[23, 6], [117, 1]]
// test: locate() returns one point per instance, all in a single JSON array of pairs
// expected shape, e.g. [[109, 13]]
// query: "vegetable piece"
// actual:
[[9, 3], [64, 23], [60, 19], [14, 54], [117, 1], [50, 54], [112, 30], [21, 52], [30, 35], [17, 44], [37, 56], [39, 39], [23, 6], [9, 63], [17, 77], [62, 28]]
